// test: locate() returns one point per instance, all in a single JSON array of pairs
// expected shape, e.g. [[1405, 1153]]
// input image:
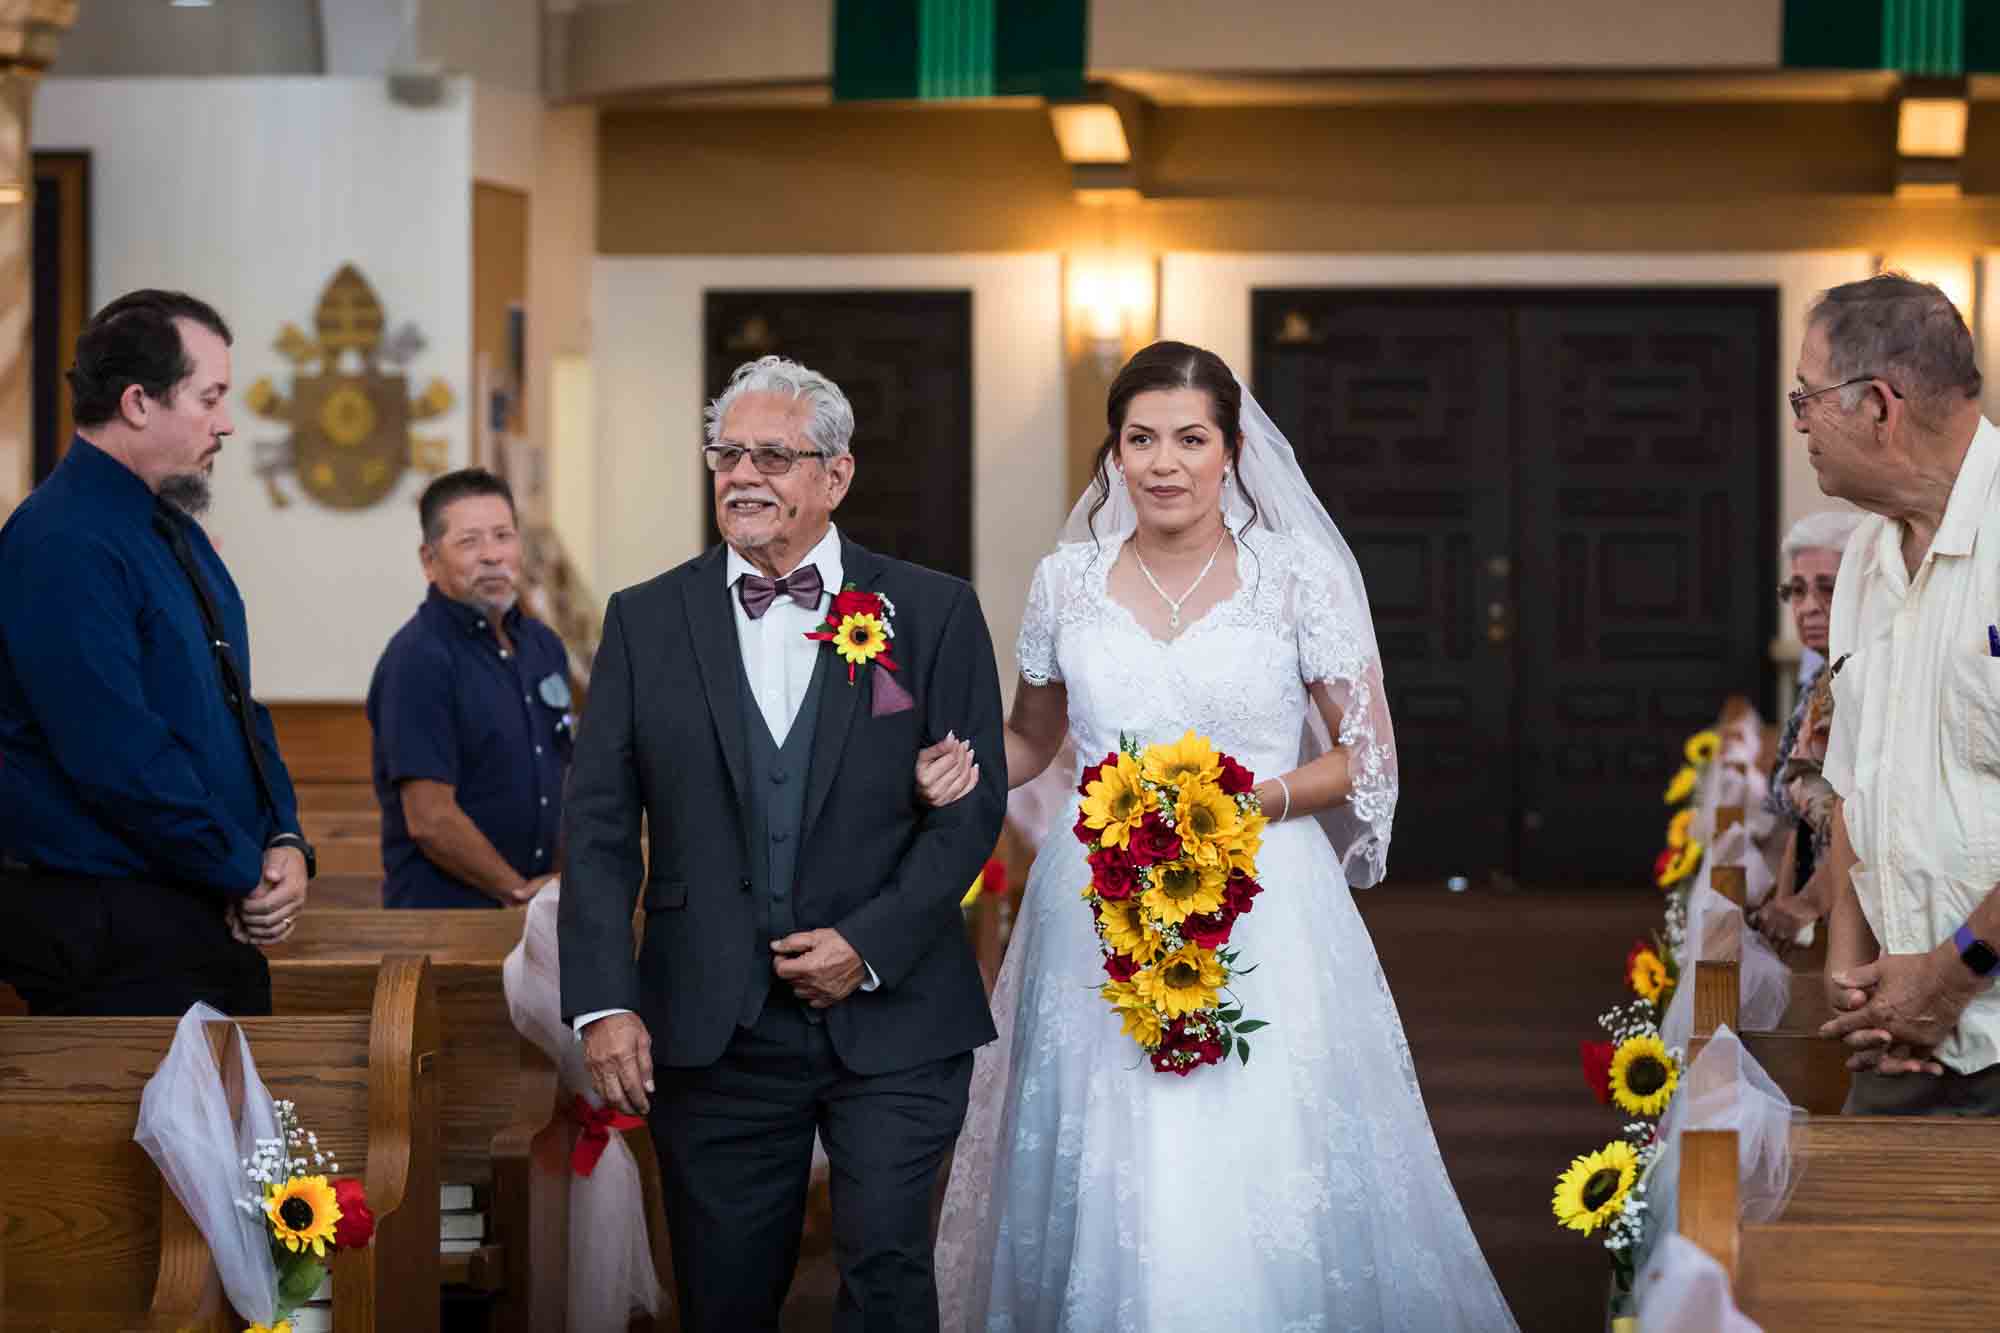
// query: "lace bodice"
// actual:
[[1238, 674]]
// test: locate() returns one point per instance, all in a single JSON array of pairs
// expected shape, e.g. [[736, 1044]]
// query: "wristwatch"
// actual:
[[1974, 952], [312, 862]]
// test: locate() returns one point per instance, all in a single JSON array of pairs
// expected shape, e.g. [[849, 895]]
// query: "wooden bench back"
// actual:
[[1810, 1069], [94, 1238]]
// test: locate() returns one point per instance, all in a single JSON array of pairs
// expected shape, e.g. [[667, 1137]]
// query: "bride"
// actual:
[[1200, 585]]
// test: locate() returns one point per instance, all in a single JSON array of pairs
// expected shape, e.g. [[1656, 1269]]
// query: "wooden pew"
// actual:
[[1809, 1068], [96, 1241], [1866, 1242], [504, 1126]]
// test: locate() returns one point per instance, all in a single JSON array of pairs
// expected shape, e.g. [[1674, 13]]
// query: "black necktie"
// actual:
[[169, 525], [802, 585]]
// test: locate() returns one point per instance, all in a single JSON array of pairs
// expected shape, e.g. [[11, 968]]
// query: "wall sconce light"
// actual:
[[1111, 302], [1931, 116], [13, 194]]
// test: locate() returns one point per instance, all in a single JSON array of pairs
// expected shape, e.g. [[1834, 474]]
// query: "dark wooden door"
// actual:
[[61, 295], [1399, 411], [1563, 503], [904, 360]]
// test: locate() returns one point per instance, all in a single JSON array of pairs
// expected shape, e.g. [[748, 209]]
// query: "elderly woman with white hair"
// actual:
[[1800, 795]]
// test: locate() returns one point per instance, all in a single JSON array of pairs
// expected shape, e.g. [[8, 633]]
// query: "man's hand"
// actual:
[[618, 1051], [1907, 999], [524, 895], [271, 910], [1782, 917], [821, 967]]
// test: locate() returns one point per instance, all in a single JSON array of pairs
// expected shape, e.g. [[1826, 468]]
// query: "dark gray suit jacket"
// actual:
[[663, 737]]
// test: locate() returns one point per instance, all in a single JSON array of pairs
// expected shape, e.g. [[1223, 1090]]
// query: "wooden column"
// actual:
[[29, 31]]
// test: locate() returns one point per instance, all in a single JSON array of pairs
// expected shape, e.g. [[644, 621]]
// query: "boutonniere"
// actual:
[[861, 627]]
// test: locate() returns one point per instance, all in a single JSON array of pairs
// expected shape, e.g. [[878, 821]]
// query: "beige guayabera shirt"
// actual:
[[1915, 751]]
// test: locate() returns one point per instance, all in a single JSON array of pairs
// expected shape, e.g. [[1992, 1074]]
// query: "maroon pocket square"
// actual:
[[890, 696]]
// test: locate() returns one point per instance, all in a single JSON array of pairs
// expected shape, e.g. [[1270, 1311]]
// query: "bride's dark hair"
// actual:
[[1171, 365]]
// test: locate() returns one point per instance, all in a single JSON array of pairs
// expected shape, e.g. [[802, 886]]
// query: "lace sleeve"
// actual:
[[1336, 651], [1035, 649]]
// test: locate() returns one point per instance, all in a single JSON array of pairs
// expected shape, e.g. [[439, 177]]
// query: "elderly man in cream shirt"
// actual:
[[1888, 398]]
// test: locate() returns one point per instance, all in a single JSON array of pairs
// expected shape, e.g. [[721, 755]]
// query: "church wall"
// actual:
[[252, 193]]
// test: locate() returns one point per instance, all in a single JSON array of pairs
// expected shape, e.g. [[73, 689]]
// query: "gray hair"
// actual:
[[1828, 530], [831, 425], [1905, 331]]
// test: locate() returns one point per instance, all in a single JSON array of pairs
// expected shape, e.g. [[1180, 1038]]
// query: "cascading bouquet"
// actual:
[[307, 1214], [1174, 832]]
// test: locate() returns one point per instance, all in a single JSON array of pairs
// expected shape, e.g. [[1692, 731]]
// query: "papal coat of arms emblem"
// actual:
[[349, 408]]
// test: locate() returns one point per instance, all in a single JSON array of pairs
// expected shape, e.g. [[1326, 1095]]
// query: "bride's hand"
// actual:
[[946, 772]]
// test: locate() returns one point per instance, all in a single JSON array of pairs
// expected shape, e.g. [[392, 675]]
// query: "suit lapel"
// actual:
[[838, 700], [712, 627]]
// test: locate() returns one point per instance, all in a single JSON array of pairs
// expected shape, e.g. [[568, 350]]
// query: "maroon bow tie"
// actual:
[[802, 585]]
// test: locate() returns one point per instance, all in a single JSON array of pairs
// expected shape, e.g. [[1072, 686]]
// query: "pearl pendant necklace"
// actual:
[[1173, 605]]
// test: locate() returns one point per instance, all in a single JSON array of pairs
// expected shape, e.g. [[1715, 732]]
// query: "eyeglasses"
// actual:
[[1820, 590], [769, 459], [1797, 397]]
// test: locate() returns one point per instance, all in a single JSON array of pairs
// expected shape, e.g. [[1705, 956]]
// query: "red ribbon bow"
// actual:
[[597, 1123]]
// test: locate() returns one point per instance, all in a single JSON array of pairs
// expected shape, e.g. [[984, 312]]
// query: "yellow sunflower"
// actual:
[[1248, 842], [1125, 930], [1677, 829], [1643, 1076], [282, 1326], [1702, 747], [1681, 787], [859, 639], [1648, 975], [302, 1212], [1139, 1020], [1680, 865], [1115, 802], [1183, 888], [1182, 981], [1189, 759], [1594, 1188], [1208, 822]]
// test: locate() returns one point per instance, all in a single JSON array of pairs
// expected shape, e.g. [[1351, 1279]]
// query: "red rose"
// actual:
[[1085, 834], [1661, 862], [993, 879], [1235, 779], [1237, 893], [1094, 772], [1120, 968], [1153, 842], [1112, 875], [1208, 930], [1597, 1067], [356, 1226], [854, 603]]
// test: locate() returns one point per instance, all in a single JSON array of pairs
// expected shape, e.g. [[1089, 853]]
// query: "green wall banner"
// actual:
[[932, 50]]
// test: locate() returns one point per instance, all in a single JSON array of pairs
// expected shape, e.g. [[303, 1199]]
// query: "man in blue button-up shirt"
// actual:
[[471, 711], [149, 837]]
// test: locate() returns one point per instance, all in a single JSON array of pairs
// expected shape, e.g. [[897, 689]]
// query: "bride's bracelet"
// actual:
[[1286, 788]]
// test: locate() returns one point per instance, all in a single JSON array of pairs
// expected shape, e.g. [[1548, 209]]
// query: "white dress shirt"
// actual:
[[778, 660], [1915, 749]]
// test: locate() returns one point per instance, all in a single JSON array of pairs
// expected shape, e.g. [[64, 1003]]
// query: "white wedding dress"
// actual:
[[1300, 1193]]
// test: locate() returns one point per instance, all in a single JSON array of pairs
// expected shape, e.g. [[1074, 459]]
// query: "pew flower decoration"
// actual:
[[1676, 863], [1173, 832], [308, 1214], [1681, 786], [1606, 1190], [1702, 747], [1651, 972]]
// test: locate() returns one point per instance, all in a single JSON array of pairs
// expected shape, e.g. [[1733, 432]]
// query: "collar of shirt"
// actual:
[[1969, 492], [826, 554], [109, 482], [472, 619]]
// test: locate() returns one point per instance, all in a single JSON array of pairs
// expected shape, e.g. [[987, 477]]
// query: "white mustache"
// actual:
[[765, 496]]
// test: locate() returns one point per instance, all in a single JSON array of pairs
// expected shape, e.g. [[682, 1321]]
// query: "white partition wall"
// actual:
[[647, 340]]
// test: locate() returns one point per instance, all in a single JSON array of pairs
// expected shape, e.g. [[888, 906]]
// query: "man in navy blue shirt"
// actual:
[[149, 837], [471, 710]]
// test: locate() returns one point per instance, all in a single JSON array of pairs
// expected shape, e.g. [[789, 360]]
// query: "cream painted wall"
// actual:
[[651, 497], [640, 44], [1205, 299], [294, 177], [1283, 36]]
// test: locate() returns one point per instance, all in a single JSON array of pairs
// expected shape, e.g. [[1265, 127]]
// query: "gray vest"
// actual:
[[776, 812]]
